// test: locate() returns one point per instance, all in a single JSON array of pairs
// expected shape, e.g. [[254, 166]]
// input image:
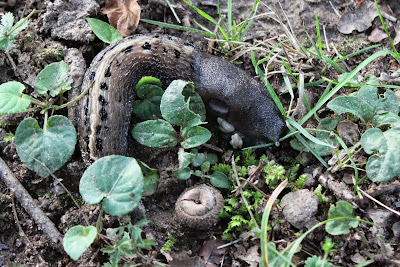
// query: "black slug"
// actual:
[[227, 91]]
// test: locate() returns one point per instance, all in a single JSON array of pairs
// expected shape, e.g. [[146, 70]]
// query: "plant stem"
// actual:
[[21, 22], [74, 100]]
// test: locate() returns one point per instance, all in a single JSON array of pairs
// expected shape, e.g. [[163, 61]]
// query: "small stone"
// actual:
[[396, 229], [348, 131], [300, 207]]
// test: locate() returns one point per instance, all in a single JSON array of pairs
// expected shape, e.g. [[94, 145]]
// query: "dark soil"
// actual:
[[46, 41]]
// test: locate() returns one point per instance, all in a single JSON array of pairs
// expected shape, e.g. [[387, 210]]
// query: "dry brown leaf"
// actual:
[[124, 15], [377, 35]]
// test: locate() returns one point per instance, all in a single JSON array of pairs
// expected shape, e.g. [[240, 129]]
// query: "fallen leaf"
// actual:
[[251, 256], [359, 19], [210, 253], [124, 15], [377, 35]]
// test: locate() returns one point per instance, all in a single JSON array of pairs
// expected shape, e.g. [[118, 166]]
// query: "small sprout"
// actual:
[[199, 206]]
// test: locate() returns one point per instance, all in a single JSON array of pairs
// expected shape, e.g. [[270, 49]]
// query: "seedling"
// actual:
[[8, 31], [46, 149], [179, 106]]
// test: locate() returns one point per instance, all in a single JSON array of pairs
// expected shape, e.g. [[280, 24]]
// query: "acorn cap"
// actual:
[[199, 206]]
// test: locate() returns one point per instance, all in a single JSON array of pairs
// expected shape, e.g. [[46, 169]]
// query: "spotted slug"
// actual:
[[228, 92]]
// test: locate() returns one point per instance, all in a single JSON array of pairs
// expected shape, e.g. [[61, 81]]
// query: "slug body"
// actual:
[[227, 91]]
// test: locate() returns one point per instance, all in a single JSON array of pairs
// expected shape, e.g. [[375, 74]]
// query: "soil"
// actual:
[[58, 31]]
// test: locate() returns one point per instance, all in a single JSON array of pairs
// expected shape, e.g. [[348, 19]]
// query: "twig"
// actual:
[[22, 233], [379, 203], [29, 204]]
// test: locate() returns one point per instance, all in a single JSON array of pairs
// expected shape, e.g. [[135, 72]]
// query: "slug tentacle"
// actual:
[[106, 109]]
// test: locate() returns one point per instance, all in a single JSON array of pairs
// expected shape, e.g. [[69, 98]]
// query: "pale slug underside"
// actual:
[[228, 92]]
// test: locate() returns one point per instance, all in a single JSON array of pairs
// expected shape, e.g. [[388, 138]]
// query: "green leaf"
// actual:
[[183, 174], [205, 167], [388, 118], [179, 106], [149, 107], [276, 258], [184, 158], [104, 31], [51, 146], [352, 104], [7, 21], [365, 103], [149, 80], [54, 79], [199, 158], [340, 227], [384, 164], [117, 181], [212, 158], [150, 179], [78, 239], [12, 100], [5, 43], [220, 180], [155, 133], [316, 261], [195, 136]]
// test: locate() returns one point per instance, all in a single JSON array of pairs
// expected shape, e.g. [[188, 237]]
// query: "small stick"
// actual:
[[29, 204]]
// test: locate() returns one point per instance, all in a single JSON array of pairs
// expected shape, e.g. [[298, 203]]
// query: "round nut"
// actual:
[[199, 206]]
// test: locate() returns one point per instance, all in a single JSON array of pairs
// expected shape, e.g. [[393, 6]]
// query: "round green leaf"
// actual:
[[184, 158], [52, 146], [78, 239], [199, 159], [149, 107], [104, 31], [384, 165], [220, 180], [340, 227], [117, 181], [195, 136], [155, 133], [12, 100], [54, 79], [183, 174], [176, 107]]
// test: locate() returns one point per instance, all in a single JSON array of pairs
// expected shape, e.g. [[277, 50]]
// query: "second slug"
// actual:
[[228, 92]]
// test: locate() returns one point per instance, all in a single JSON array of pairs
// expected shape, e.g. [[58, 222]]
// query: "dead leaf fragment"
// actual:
[[124, 15], [359, 19], [377, 35]]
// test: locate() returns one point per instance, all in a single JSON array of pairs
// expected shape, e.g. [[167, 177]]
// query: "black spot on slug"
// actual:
[[112, 47], [98, 129], [156, 36], [188, 44], [92, 75], [177, 53], [129, 49], [146, 46], [165, 50], [102, 100], [169, 37], [99, 144], [103, 86], [103, 114], [108, 72]]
